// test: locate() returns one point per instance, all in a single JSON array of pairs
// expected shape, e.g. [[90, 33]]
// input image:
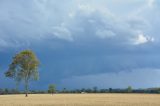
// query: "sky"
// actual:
[[84, 43]]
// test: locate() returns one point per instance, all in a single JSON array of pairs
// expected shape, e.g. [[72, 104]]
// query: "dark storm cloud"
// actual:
[[82, 38]]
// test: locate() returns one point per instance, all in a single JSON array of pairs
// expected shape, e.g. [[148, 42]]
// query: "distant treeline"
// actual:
[[83, 90], [24, 68]]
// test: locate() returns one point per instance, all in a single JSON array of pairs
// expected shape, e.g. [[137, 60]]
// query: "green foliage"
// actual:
[[64, 90], [24, 68], [129, 89], [110, 90], [51, 88], [6, 91], [95, 89]]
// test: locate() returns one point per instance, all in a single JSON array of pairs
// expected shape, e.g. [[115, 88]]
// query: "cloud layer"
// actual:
[[82, 38], [75, 20]]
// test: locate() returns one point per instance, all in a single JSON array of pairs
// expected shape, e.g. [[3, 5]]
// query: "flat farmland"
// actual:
[[81, 100]]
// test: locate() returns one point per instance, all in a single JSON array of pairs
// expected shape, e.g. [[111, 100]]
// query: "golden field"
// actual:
[[81, 100]]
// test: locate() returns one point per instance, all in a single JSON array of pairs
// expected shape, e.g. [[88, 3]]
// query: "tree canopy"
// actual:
[[51, 88], [24, 67]]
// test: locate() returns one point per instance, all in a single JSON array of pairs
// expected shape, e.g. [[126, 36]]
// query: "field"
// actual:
[[81, 100]]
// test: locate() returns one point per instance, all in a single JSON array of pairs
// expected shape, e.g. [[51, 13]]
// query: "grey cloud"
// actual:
[[62, 33], [116, 80], [80, 38], [37, 20]]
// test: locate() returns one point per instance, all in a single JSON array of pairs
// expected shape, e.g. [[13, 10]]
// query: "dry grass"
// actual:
[[81, 100]]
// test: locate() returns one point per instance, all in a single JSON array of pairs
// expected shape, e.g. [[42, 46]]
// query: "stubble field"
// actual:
[[81, 100]]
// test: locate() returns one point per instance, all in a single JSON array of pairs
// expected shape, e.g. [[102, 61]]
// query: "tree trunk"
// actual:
[[17, 84], [26, 94], [26, 88]]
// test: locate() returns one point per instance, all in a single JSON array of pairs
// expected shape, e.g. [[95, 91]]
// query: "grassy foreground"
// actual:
[[81, 100]]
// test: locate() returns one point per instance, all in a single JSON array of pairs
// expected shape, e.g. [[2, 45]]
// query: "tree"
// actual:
[[110, 90], [1, 91], [24, 67], [129, 89], [6, 91], [64, 90], [89, 90], [95, 89], [51, 89], [12, 73]]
